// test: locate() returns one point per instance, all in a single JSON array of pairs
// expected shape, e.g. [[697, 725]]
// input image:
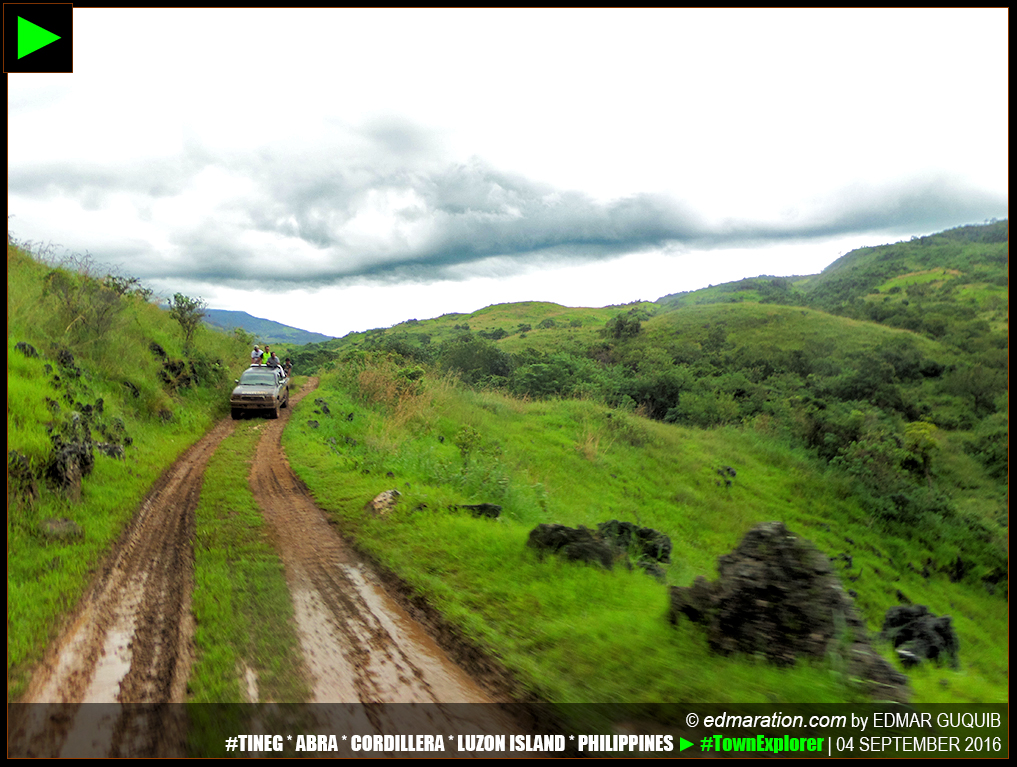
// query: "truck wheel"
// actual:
[[237, 413], [275, 412]]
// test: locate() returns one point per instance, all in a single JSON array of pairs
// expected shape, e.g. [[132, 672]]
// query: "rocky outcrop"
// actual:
[[489, 510], [72, 457], [649, 545], [777, 596], [27, 349]]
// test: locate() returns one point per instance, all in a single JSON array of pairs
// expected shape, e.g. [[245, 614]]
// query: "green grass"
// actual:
[[247, 649], [46, 578], [241, 604], [777, 330], [574, 633]]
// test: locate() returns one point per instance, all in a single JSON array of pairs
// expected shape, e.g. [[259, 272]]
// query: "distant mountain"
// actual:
[[266, 331]]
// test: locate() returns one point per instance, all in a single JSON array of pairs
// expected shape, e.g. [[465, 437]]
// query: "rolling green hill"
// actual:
[[851, 422]]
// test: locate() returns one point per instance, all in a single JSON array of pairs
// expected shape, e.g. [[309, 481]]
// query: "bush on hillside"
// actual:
[[476, 360]]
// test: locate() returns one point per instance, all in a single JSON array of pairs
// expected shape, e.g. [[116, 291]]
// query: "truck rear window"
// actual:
[[257, 378]]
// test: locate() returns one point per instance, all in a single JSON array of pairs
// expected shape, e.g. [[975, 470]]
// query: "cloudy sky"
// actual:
[[339, 170]]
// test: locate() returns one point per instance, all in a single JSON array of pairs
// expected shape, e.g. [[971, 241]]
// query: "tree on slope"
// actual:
[[189, 313]]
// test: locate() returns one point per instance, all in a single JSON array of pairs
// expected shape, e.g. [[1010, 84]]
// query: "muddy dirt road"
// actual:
[[359, 645], [130, 641]]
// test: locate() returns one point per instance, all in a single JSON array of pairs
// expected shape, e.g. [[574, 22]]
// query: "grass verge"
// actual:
[[245, 637]]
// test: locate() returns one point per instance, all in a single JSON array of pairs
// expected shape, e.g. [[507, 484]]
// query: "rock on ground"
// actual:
[[575, 544], [778, 596], [917, 635], [611, 541]]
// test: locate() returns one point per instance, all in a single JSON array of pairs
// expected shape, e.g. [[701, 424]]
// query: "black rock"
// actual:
[[918, 635], [777, 596], [650, 544], [576, 545], [27, 349], [113, 451], [490, 510]]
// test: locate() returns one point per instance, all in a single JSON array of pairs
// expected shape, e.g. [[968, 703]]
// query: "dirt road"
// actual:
[[130, 641]]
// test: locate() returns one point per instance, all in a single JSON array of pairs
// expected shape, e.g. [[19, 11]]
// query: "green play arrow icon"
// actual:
[[683, 744], [32, 37]]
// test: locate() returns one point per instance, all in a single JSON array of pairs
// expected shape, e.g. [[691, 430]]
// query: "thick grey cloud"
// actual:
[[385, 209], [918, 205]]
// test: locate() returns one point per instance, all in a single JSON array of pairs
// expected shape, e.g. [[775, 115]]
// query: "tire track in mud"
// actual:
[[129, 642], [359, 645]]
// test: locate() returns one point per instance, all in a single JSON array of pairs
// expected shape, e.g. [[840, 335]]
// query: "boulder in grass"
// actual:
[[575, 544], [611, 542], [61, 529], [384, 502], [918, 635], [777, 596], [26, 348], [649, 544]]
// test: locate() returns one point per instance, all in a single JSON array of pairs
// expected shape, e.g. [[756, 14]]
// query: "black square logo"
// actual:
[[38, 38]]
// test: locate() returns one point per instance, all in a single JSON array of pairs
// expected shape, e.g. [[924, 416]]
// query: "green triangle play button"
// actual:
[[32, 37], [683, 744]]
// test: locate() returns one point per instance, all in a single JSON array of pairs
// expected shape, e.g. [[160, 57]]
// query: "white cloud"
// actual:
[[204, 147]]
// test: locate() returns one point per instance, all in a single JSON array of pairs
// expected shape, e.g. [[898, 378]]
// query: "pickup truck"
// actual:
[[260, 388]]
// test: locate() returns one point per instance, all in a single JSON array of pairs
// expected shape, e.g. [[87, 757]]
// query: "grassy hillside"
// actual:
[[952, 286], [925, 284], [880, 439], [576, 633], [97, 377], [917, 419]]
